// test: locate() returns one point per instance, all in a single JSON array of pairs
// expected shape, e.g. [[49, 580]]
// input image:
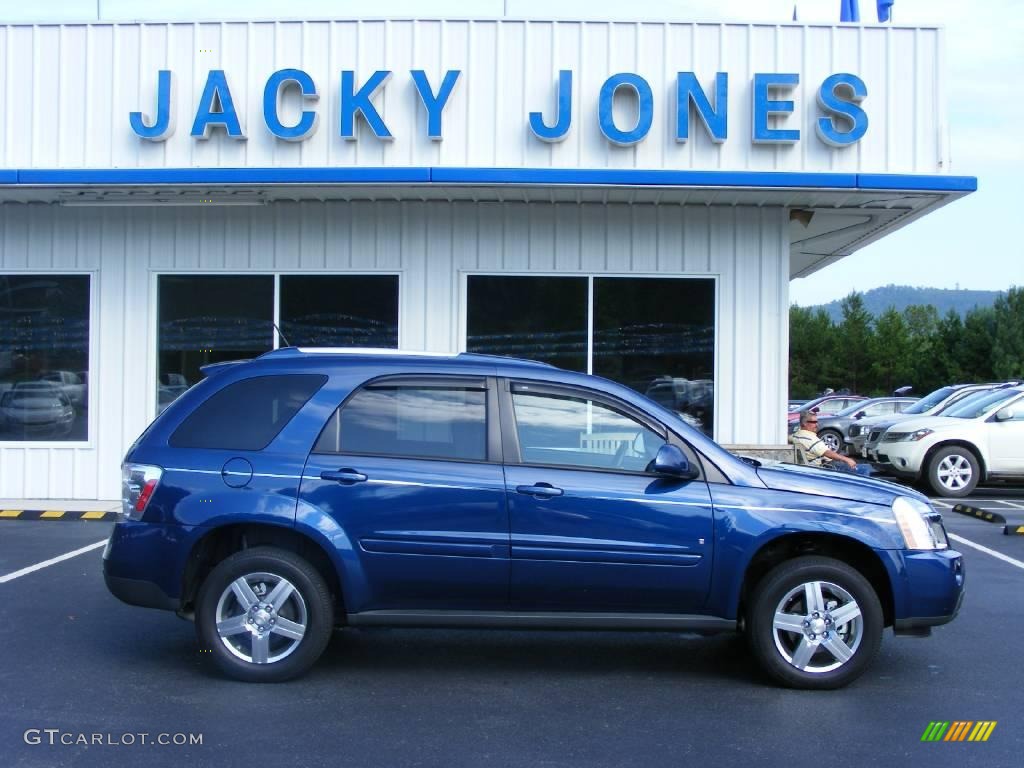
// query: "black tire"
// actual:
[[309, 604], [948, 460], [827, 435], [860, 636]]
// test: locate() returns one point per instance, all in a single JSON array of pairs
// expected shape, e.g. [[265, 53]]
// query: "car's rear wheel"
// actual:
[[815, 623], [953, 471], [832, 439], [264, 615]]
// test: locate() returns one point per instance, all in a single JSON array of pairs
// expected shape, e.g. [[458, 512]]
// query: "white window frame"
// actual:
[[463, 309], [92, 357]]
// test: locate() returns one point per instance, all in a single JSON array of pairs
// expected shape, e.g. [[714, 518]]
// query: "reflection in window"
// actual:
[[210, 319], [657, 336], [537, 318], [44, 357], [340, 310], [425, 422], [574, 432]]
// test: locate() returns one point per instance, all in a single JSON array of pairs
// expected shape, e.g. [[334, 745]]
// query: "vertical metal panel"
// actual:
[[66, 92]]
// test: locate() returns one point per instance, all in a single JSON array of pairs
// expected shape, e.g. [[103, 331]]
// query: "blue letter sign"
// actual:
[[216, 108], [645, 108], [716, 120], [355, 102], [276, 83], [563, 117], [763, 107], [831, 103], [163, 125], [434, 104]]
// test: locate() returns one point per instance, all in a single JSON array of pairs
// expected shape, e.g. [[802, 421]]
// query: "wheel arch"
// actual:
[[218, 543], [848, 550], [953, 443]]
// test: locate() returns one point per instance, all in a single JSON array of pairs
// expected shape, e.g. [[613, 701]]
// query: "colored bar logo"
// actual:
[[958, 730]]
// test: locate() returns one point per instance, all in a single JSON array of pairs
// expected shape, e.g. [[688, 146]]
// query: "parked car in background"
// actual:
[[826, 405], [35, 409], [794, 405], [834, 430], [307, 490], [978, 440], [70, 383], [871, 430]]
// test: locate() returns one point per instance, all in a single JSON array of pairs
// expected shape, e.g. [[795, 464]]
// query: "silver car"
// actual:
[[835, 430]]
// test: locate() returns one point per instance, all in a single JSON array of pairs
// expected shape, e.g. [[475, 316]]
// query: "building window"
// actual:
[[209, 319], [653, 334], [44, 357], [206, 319], [340, 310], [537, 318]]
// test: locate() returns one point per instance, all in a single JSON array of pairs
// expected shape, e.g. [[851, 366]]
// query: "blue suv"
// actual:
[[305, 490]]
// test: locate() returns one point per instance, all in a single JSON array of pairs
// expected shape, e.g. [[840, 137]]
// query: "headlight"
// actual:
[[857, 429], [920, 525], [906, 437]]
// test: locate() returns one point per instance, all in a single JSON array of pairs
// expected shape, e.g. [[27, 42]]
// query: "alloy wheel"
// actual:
[[261, 618], [817, 627], [954, 472]]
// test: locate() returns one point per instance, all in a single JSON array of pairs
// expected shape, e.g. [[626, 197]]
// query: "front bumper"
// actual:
[[934, 587], [901, 458]]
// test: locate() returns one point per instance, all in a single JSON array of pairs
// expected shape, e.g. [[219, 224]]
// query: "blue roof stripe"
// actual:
[[625, 177]]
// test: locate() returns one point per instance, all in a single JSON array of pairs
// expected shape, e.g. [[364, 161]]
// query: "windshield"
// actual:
[[860, 405], [977, 406], [925, 404]]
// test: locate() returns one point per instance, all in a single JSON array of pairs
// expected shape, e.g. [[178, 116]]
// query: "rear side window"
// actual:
[[439, 422], [246, 415]]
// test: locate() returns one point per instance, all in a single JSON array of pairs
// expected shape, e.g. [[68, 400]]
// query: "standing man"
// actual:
[[811, 446]]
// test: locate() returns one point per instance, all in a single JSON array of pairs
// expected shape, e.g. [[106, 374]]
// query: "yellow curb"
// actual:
[[10, 512], [51, 513], [93, 515]]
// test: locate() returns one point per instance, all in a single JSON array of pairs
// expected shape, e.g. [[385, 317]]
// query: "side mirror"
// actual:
[[860, 414], [671, 462], [816, 409], [1005, 414]]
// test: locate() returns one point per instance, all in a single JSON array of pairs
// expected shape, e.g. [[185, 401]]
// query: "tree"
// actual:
[[1008, 339], [976, 352], [811, 352], [891, 347], [855, 340], [949, 350], [922, 322]]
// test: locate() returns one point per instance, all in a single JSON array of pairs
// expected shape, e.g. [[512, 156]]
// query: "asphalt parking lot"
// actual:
[[77, 660]]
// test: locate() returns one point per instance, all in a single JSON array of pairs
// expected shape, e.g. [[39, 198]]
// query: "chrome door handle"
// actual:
[[540, 490], [347, 476]]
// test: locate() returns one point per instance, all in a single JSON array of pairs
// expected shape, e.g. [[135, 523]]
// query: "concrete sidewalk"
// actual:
[[60, 509]]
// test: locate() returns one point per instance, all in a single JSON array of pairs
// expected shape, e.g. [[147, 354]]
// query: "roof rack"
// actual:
[[382, 351]]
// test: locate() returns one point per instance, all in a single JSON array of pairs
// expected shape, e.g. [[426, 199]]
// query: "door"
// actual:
[[591, 529], [410, 472], [1006, 440]]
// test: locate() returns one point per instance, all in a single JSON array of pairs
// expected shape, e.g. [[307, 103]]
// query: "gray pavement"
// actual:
[[76, 659]]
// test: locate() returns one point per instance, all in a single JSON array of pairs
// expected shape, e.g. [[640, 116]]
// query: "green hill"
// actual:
[[877, 300]]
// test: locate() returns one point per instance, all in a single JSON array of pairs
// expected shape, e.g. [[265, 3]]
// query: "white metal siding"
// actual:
[[431, 245], [66, 92]]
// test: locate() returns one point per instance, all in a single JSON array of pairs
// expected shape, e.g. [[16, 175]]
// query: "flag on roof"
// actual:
[[849, 10], [885, 10]]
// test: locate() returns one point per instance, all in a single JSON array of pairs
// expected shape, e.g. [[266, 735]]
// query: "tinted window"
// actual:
[[246, 415], [577, 432], [44, 343], [340, 310], [538, 318], [411, 421]]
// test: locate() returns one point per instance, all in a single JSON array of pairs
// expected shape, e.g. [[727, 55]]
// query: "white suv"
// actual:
[[978, 440]]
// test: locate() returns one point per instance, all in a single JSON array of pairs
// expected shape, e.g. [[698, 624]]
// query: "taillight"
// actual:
[[138, 482]]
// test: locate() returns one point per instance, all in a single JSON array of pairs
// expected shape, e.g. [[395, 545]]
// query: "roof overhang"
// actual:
[[831, 214]]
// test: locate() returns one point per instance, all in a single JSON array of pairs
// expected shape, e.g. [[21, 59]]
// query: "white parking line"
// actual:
[[986, 550], [1013, 504], [52, 561], [943, 504]]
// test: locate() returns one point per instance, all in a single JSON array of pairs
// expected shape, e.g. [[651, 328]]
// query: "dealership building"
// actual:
[[626, 198]]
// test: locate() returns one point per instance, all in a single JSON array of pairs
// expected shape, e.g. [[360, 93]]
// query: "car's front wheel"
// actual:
[[953, 471], [264, 615], [814, 622], [832, 439]]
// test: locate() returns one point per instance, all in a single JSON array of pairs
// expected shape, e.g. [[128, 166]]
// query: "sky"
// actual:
[[969, 243]]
